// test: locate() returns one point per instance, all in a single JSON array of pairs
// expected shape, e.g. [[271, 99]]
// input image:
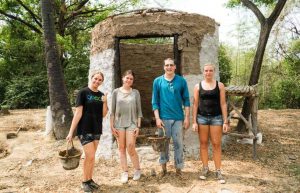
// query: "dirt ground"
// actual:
[[29, 162]]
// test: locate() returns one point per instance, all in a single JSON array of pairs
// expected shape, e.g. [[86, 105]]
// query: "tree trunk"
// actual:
[[256, 67], [60, 106]]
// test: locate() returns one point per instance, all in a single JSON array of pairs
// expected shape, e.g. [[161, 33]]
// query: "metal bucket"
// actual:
[[69, 158]]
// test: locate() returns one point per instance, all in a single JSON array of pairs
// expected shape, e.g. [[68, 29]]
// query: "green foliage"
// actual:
[[27, 92], [3, 85], [76, 70], [224, 65], [21, 62], [21, 45], [283, 81]]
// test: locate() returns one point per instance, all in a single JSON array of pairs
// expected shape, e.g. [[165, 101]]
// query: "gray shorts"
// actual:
[[129, 128]]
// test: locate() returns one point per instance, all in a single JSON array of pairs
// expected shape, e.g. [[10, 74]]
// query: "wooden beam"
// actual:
[[117, 67], [177, 54], [240, 135], [241, 116]]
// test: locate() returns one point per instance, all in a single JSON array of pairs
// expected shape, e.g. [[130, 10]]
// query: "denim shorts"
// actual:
[[209, 120], [129, 128], [88, 138]]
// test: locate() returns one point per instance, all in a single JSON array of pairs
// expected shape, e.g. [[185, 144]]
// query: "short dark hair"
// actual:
[[169, 59]]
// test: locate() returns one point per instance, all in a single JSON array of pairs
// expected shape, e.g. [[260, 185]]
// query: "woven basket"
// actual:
[[159, 143], [69, 158]]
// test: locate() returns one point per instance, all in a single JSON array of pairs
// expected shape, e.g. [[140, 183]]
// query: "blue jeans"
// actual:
[[174, 130]]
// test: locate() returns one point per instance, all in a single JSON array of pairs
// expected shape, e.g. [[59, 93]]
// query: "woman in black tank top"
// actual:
[[210, 118]]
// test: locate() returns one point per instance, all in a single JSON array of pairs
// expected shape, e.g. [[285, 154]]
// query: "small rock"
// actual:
[[225, 190], [153, 173], [292, 157], [28, 163], [262, 182]]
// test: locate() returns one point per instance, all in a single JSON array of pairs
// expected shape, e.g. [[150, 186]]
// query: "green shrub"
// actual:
[[27, 92]]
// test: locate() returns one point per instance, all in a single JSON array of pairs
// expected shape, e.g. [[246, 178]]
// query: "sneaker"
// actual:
[[93, 184], [137, 175], [86, 187], [219, 177], [124, 177], [204, 173]]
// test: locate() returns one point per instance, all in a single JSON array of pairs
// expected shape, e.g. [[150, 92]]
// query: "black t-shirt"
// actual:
[[91, 120]]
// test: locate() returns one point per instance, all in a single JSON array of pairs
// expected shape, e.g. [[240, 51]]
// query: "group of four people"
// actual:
[[169, 97]]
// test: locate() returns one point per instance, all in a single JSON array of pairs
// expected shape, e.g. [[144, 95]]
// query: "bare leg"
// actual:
[[130, 145], [96, 142], [203, 133], [122, 150], [215, 136], [89, 160]]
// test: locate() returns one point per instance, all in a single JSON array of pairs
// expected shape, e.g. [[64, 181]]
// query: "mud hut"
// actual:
[[140, 40]]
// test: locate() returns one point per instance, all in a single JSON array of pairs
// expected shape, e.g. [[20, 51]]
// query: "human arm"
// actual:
[[139, 113], [224, 107], [187, 104], [137, 130], [112, 114], [105, 107], [156, 104], [186, 122], [75, 121], [159, 122], [195, 107]]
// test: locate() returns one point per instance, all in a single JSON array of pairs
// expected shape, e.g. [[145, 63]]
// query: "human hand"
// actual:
[[115, 132], [136, 132], [69, 137], [195, 127], [226, 127], [159, 123], [186, 123]]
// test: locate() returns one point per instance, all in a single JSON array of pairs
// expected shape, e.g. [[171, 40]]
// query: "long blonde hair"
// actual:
[[93, 73]]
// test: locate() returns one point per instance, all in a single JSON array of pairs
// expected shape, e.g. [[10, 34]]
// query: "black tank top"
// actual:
[[209, 101]]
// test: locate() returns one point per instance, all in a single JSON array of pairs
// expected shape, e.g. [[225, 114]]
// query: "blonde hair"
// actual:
[[210, 64], [93, 73]]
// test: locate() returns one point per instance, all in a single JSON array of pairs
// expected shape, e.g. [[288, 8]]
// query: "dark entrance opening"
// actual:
[[145, 56]]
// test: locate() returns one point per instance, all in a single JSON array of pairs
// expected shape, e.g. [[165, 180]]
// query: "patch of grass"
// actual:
[[295, 169]]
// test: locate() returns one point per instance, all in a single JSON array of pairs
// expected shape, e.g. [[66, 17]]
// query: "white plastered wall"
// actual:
[[104, 61], [208, 54]]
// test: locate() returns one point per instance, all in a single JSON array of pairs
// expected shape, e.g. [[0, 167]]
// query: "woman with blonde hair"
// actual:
[[210, 119], [91, 107]]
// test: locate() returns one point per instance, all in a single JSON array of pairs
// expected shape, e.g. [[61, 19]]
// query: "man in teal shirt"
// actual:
[[169, 96]]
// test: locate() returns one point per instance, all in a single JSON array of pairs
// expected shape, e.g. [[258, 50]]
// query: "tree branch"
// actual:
[[261, 18], [276, 12], [21, 21], [76, 14], [81, 4], [34, 16]]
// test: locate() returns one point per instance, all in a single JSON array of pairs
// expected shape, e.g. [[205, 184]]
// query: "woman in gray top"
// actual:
[[125, 122]]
